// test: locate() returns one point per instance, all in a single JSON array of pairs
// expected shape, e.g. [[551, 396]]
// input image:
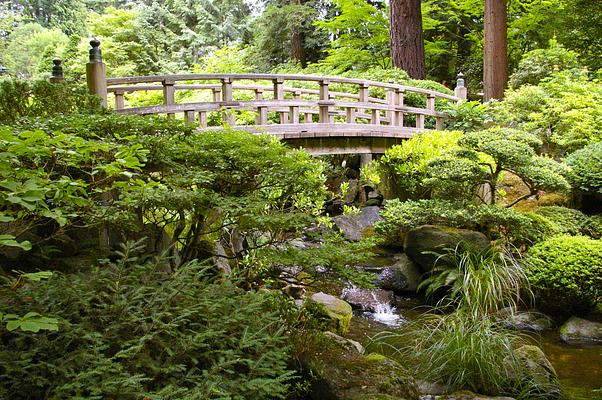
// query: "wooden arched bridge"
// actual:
[[324, 115]]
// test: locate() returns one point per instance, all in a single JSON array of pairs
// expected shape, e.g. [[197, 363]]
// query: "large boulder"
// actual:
[[525, 320], [367, 299], [581, 331], [402, 276], [339, 311], [354, 225], [339, 372], [537, 374], [423, 244]]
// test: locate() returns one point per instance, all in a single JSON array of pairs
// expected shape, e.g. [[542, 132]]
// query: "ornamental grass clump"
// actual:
[[477, 281]]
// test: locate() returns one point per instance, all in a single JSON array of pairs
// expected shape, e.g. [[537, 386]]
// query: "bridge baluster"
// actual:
[[189, 116], [324, 97], [439, 123], [169, 94], [228, 116], [203, 119], [217, 94], [294, 114], [430, 102], [279, 95], [351, 115], [420, 121], [262, 115], [309, 118], [364, 92], [375, 117], [258, 94], [119, 99]]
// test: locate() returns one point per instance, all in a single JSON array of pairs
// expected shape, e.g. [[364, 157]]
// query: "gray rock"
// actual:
[[353, 226], [339, 311], [403, 276], [294, 291], [525, 320], [367, 299], [422, 242], [581, 331], [345, 342], [463, 395]]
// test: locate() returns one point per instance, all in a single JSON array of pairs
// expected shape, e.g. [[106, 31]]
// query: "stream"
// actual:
[[579, 367]]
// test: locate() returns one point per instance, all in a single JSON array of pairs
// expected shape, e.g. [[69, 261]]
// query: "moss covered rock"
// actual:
[[339, 311], [578, 331], [423, 243], [343, 374]]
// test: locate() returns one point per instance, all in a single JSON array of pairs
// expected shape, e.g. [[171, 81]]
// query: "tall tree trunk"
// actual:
[[495, 61], [407, 46], [297, 48]]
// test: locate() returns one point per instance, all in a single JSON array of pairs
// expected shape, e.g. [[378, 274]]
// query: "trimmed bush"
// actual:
[[586, 174], [572, 222], [494, 221], [565, 273]]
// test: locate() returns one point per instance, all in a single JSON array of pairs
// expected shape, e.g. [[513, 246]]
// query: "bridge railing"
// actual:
[[277, 99]]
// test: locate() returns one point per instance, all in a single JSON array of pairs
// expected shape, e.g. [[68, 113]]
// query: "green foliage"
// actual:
[[19, 98], [586, 174], [541, 63], [129, 329], [360, 29], [569, 221], [564, 111], [478, 281], [483, 157], [496, 222], [466, 116], [403, 167], [565, 273], [273, 31], [30, 49]]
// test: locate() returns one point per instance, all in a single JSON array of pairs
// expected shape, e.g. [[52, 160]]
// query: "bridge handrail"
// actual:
[[259, 77]]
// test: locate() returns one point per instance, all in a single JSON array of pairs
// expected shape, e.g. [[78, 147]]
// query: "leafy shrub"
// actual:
[[569, 221], [466, 116], [129, 329], [42, 99], [565, 273], [403, 167], [586, 174], [541, 63], [494, 221], [564, 111]]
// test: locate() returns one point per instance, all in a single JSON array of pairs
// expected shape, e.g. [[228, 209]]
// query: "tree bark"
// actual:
[[297, 48], [407, 46], [495, 61]]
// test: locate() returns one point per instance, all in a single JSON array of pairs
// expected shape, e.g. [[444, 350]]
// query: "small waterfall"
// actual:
[[386, 314], [375, 309]]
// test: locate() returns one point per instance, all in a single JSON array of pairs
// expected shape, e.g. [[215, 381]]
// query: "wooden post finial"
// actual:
[[461, 91], [95, 52], [57, 70]]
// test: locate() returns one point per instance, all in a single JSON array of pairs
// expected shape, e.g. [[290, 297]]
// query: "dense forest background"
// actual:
[[143, 37]]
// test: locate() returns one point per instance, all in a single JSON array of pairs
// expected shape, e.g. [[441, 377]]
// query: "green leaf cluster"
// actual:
[[564, 111], [128, 329]]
